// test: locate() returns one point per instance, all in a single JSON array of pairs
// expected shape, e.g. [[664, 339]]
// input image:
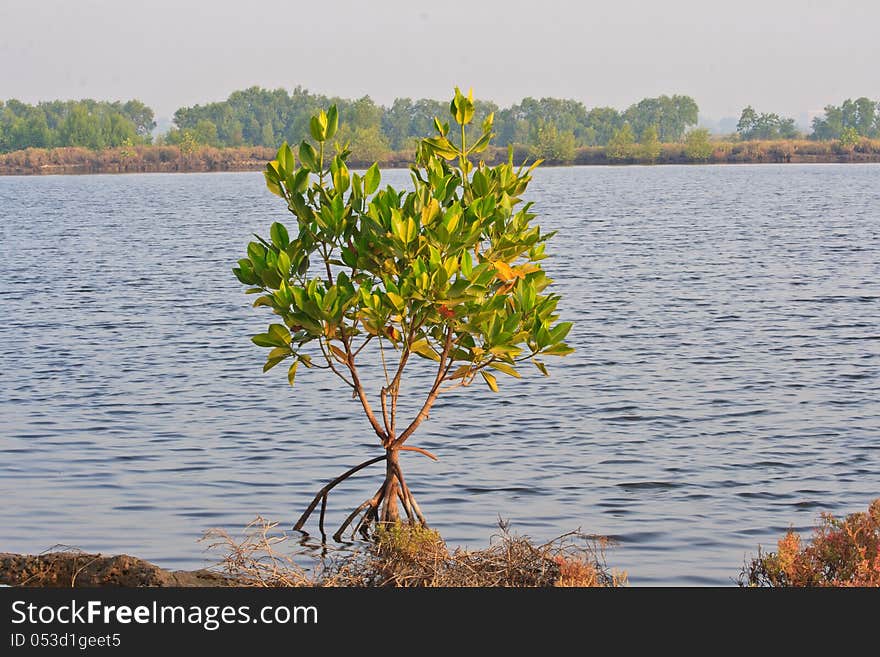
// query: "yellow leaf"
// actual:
[[339, 353], [505, 273], [460, 372], [422, 348], [490, 379], [506, 368], [430, 212]]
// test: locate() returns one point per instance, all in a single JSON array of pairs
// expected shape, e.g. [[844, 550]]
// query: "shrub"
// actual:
[[841, 553], [372, 278], [697, 145]]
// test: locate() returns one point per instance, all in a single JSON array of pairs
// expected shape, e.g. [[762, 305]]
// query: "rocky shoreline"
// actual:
[[81, 569]]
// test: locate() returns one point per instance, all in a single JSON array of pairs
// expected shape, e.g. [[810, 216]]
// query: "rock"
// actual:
[[78, 569]]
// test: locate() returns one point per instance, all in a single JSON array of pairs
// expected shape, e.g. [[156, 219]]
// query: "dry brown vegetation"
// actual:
[[134, 159], [842, 553], [162, 159], [750, 152], [406, 555]]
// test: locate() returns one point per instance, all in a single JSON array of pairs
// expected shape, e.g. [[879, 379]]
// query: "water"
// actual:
[[724, 386]]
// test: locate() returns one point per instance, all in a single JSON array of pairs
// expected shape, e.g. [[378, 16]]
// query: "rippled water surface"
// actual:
[[725, 384]]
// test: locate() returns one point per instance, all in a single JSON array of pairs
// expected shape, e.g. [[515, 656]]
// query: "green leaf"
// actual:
[[300, 181], [558, 333], [283, 264], [332, 123], [541, 367], [272, 362], [263, 340], [441, 147], [371, 179], [490, 379], [279, 352], [462, 107], [285, 159], [280, 335], [272, 181], [339, 173], [279, 235], [467, 264], [308, 156], [291, 372], [506, 368], [357, 186], [481, 144], [316, 128], [560, 349]]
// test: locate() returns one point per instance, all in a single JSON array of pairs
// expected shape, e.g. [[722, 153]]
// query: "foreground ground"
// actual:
[[842, 552], [402, 556]]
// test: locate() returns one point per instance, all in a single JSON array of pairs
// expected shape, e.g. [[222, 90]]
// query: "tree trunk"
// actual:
[[382, 506], [392, 487]]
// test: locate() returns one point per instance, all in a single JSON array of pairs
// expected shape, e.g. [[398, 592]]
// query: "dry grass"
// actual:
[[169, 158], [411, 556]]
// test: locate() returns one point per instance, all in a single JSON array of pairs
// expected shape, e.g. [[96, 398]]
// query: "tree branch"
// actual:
[[329, 359], [359, 391], [442, 370]]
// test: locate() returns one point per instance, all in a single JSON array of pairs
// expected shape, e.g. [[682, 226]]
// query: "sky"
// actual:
[[789, 57]]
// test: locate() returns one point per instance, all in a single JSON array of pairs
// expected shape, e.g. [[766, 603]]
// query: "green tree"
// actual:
[[697, 145], [449, 272], [551, 144], [650, 147], [671, 115], [622, 145], [862, 115], [89, 123], [141, 116], [849, 137], [520, 124], [205, 132], [602, 123], [752, 125], [82, 128], [747, 122], [366, 144]]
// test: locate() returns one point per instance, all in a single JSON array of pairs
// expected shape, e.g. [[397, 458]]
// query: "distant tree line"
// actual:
[[765, 126], [860, 118], [550, 128], [88, 123]]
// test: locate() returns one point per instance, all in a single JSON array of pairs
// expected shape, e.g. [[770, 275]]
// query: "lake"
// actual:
[[725, 384]]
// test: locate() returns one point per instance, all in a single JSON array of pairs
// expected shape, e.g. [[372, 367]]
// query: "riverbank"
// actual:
[[401, 556], [842, 552], [173, 159]]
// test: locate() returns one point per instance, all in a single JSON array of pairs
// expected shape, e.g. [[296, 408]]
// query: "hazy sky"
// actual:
[[784, 56]]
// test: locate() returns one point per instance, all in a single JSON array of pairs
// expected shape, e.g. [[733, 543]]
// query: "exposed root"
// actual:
[[382, 507], [322, 494]]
